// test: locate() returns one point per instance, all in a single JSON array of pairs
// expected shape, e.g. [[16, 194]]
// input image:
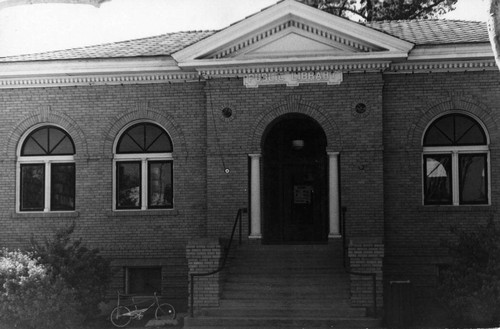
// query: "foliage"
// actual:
[[83, 269], [30, 297], [380, 10], [470, 286]]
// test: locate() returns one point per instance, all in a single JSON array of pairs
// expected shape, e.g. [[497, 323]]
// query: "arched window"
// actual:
[[455, 161], [143, 168], [46, 166]]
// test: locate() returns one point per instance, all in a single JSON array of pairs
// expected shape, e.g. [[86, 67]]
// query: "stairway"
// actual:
[[284, 286]]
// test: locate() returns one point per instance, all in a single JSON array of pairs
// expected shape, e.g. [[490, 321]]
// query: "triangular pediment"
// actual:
[[291, 32]]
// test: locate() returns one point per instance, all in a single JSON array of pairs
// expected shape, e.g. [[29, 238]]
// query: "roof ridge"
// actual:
[[424, 20]]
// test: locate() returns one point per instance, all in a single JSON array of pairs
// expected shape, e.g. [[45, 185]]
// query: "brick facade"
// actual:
[[380, 166]]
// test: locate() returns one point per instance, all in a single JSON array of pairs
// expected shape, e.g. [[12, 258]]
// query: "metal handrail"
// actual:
[[348, 271], [227, 250]]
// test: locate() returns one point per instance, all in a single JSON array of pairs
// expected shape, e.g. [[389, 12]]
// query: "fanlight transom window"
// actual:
[[455, 162], [143, 168]]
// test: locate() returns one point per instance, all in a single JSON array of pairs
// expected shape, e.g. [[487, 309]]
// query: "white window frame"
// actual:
[[455, 151], [47, 161], [144, 158]]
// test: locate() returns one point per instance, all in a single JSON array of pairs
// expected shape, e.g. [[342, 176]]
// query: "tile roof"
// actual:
[[161, 45], [419, 32], [434, 31]]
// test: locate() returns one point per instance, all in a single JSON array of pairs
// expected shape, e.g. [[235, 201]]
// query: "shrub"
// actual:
[[83, 269], [30, 298], [470, 286]]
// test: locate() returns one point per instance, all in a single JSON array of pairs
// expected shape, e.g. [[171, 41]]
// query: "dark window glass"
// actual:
[[144, 138], [160, 184], [128, 177], [32, 187], [437, 179], [473, 179], [48, 141], [144, 281], [455, 130], [63, 186]]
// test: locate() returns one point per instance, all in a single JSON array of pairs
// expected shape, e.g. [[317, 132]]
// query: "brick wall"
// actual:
[[366, 255], [358, 138], [205, 255], [93, 116], [413, 232]]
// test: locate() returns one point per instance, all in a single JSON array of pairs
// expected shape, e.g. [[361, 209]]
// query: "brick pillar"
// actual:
[[366, 255], [204, 255]]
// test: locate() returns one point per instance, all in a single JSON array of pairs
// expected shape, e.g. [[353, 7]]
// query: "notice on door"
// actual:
[[302, 194]]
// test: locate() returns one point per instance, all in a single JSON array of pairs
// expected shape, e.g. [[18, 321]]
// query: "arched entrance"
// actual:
[[295, 181]]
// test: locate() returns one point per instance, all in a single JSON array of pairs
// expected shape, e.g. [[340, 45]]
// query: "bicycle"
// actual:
[[122, 315]]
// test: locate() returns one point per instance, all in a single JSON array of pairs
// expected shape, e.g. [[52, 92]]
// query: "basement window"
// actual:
[[143, 280]]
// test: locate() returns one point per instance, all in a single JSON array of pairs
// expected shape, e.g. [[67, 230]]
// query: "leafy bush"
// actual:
[[470, 286], [31, 298], [83, 269]]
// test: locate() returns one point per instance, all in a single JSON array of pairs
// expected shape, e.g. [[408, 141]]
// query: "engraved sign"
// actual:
[[292, 79]]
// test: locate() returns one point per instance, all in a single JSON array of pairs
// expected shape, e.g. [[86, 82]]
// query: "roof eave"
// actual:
[[457, 51], [72, 67]]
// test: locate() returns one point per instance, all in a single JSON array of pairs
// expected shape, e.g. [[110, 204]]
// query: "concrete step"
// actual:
[[292, 312], [283, 304], [201, 322]]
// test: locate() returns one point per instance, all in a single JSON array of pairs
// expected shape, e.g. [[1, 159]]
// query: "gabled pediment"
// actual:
[[291, 32]]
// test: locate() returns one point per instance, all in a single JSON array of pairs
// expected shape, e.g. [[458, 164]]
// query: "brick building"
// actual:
[[151, 146]]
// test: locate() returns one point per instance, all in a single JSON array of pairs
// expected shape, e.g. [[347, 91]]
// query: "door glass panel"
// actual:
[[438, 179], [473, 179], [128, 185], [32, 187]]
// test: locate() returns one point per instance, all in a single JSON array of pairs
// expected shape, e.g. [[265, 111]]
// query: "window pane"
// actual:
[[128, 177], [437, 179], [144, 281], [60, 143], [63, 186], [160, 184], [31, 147], [473, 179], [32, 187]]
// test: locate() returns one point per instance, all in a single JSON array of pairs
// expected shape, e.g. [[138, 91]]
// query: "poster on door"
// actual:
[[302, 194]]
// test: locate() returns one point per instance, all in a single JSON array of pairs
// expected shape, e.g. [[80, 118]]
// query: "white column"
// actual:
[[333, 194], [255, 211]]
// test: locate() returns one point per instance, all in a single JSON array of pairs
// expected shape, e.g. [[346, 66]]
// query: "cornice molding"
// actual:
[[442, 66], [96, 80], [253, 70]]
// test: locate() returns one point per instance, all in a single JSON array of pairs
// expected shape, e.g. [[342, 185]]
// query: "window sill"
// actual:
[[152, 212], [464, 208], [50, 214]]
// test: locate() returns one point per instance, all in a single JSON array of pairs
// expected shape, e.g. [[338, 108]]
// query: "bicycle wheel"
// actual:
[[118, 319], [165, 311]]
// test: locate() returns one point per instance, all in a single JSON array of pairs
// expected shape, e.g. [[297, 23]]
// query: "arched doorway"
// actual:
[[295, 183]]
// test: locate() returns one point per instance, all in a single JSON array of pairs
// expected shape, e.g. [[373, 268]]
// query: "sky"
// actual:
[[44, 27]]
